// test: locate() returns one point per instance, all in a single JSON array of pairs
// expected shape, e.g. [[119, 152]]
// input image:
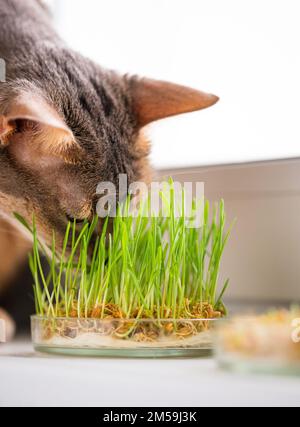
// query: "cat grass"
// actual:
[[153, 268]]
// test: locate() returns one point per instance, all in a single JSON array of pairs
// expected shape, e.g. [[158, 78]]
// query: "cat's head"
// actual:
[[62, 135]]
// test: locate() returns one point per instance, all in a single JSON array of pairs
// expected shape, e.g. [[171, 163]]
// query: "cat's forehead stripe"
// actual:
[[107, 102]]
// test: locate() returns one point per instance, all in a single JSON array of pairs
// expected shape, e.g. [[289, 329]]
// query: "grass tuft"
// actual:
[[146, 267]]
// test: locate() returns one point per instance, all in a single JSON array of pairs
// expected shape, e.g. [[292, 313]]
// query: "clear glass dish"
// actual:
[[258, 344], [123, 337]]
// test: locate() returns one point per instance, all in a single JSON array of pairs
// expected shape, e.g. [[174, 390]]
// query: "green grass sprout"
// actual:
[[144, 267]]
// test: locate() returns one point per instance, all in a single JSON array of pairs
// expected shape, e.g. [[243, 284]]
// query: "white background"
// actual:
[[246, 52]]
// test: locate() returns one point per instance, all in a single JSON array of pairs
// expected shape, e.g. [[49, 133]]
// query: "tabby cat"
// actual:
[[67, 124]]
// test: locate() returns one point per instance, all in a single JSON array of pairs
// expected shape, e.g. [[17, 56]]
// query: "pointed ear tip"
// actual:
[[213, 99], [207, 100]]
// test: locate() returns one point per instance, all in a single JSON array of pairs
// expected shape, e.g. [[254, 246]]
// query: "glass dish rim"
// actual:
[[127, 319]]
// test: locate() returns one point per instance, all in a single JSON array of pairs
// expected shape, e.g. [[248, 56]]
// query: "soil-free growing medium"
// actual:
[[147, 287]]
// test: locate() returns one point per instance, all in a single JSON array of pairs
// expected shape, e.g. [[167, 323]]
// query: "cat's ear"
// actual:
[[154, 99], [30, 123]]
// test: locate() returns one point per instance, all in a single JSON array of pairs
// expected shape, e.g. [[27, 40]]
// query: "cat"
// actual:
[[67, 124]]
